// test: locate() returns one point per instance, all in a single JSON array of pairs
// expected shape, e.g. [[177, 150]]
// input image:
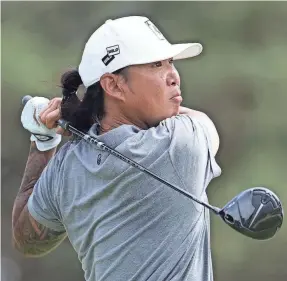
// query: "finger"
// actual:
[[52, 118], [67, 134], [63, 132], [43, 114], [56, 102], [54, 105]]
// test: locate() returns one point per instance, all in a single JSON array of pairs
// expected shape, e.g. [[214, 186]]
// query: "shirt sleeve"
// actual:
[[191, 153], [42, 204]]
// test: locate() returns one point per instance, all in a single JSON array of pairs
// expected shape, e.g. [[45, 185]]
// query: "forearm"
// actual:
[[35, 165], [34, 239], [29, 236]]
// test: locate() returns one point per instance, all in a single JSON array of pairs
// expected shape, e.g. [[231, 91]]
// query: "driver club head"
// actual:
[[256, 212]]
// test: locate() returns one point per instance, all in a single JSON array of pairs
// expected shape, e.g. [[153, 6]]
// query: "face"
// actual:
[[152, 92]]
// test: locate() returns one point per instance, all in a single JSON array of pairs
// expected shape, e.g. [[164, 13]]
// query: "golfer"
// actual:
[[123, 224]]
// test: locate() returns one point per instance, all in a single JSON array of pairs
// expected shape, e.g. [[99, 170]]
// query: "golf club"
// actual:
[[256, 212]]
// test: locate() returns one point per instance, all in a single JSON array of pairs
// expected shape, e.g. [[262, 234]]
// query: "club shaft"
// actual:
[[92, 140]]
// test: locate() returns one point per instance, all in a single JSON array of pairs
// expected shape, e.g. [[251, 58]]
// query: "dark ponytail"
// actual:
[[81, 114]]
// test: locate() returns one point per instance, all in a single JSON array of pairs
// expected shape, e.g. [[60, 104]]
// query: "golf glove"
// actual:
[[44, 138]]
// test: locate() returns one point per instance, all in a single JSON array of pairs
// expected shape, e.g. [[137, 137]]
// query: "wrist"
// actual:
[[49, 152], [45, 143]]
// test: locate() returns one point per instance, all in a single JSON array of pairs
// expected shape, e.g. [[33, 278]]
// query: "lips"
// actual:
[[177, 99], [177, 96]]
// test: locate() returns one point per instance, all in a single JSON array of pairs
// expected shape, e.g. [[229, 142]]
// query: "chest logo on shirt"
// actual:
[[99, 159]]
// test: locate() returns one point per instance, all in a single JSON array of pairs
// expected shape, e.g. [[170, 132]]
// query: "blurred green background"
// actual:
[[239, 80]]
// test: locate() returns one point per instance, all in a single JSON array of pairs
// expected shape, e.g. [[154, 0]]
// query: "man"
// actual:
[[123, 224]]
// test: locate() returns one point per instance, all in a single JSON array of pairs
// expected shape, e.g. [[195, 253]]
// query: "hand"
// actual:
[[51, 114], [43, 133]]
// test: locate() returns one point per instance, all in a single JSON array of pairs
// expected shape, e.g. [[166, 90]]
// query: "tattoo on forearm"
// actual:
[[31, 237], [36, 163], [34, 239]]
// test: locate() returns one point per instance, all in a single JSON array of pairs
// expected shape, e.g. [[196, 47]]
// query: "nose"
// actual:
[[173, 78]]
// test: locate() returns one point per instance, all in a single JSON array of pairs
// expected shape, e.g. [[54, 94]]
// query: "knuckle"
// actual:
[[58, 113], [42, 118], [57, 100]]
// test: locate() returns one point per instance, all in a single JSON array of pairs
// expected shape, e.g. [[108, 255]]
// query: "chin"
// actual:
[[171, 114], [175, 111]]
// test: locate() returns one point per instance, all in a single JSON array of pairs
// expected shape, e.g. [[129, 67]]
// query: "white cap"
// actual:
[[128, 41]]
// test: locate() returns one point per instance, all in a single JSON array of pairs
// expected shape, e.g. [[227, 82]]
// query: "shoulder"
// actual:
[[181, 123], [64, 151], [210, 131], [196, 124]]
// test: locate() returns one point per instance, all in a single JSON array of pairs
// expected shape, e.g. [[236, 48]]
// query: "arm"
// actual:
[[207, 122], [30, 237]]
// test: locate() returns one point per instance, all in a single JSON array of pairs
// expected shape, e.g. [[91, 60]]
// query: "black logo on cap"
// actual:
[[112, 51], [155, 30]]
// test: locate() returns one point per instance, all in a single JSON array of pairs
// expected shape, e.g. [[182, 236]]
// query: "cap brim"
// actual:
[[183, 51], [175, 51]]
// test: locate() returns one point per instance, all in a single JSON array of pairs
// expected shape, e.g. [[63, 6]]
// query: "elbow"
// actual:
[[23, 249], [17, 246], [15, 243]]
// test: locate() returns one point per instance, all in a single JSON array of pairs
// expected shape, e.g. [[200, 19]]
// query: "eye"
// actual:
[[171, 61], [158, 64]]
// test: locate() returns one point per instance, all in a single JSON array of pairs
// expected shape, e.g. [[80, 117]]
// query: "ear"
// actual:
[[112, 85]]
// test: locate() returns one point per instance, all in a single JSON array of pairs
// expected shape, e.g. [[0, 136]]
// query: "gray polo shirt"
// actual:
[[123, 224]]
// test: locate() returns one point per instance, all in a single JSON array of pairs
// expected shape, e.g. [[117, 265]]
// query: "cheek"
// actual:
[[149, 91], [157, 88]]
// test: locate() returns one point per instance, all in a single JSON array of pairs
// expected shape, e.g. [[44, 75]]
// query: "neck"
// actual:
[[114, 119]]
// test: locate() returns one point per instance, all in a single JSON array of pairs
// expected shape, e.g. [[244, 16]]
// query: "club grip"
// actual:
[[64, 124], [25, 99]]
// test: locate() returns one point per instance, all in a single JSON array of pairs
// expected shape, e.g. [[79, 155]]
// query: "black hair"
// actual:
[[81, 114]]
